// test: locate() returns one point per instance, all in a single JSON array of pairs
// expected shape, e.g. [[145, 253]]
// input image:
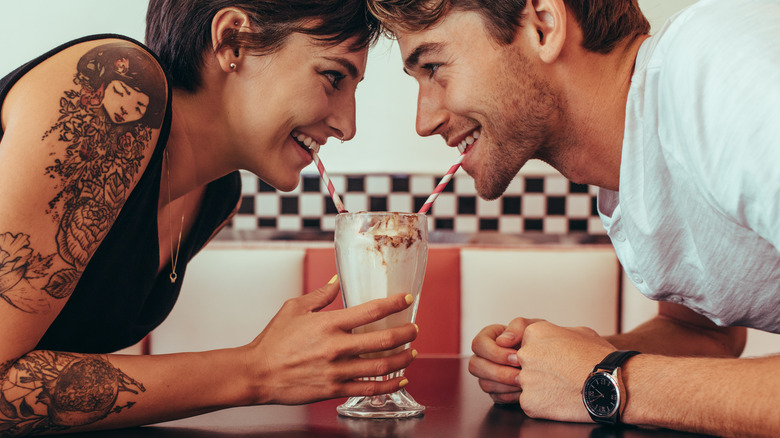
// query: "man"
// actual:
[[681, 132]]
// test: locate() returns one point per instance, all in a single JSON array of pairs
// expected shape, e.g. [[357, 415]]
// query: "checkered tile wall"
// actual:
[[547, 204]]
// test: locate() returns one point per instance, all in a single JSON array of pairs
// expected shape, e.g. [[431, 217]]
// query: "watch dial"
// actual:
[[601, 395]]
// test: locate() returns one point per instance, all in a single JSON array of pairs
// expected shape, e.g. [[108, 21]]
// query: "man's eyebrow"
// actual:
[[410, 63], [351, 69]]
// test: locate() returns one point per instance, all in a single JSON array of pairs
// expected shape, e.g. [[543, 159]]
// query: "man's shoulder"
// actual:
[[710, 24], [707, 43]]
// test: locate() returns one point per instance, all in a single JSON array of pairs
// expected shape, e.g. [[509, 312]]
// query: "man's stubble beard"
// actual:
[[526, 106]]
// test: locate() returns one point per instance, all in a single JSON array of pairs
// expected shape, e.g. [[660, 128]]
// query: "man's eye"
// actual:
[[431, 68], [334, 77]]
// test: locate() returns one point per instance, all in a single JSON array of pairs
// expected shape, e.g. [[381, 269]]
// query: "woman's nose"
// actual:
[[342, 120]]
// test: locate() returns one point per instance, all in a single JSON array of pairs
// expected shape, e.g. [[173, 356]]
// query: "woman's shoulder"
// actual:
[[80, 47], [87, 117], [86, 66]]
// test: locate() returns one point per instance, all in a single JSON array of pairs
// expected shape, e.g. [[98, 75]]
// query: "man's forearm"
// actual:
[[715, 393], [718, 396], [47, 391], [660, 336], [679, 331]]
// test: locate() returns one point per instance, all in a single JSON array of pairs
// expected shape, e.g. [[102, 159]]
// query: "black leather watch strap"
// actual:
[[614, 360]]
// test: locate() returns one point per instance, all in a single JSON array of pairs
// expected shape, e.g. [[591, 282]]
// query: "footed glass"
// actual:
[[379, 254]]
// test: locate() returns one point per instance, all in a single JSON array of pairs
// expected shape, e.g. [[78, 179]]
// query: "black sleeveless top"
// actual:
[[120, 298]]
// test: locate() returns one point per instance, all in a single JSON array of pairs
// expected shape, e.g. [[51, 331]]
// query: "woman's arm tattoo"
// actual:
[[18, 265], [106, 124], [51, 391]]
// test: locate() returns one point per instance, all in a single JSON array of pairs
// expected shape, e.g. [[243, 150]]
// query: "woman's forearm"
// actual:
[[303, 355], [47, 391]]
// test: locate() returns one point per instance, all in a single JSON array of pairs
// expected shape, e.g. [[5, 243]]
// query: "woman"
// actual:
[[117, 166]]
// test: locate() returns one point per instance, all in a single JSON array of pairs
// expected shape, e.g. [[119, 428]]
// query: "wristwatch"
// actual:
[[603, 393]]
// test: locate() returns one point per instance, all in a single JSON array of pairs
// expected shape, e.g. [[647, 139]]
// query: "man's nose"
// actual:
[[431, 114]]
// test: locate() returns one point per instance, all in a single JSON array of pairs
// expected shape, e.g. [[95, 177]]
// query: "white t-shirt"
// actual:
[[696, 220]]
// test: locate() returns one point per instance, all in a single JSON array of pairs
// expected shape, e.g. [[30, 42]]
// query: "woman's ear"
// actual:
[[547, 19], [226, 23]]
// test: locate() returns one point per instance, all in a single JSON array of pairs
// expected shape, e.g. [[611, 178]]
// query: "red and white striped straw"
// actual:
[[328, 183], [442, 184]]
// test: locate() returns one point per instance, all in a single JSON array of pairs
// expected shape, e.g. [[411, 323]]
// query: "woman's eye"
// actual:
[[431, 68], [334, 77]]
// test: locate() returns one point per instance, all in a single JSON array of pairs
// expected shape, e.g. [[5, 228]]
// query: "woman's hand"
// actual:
[[304, 355]]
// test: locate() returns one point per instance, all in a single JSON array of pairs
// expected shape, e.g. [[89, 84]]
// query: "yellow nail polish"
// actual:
[[334, 279], [403, 383], [414, 353], [409, 299], [416, 327]]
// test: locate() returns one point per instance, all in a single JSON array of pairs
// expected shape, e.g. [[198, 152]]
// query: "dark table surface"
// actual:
[[455, 407]]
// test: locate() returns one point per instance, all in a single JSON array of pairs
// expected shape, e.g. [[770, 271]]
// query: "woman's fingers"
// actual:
[[381, 340], [377, 367], [317, 299], [358, 376], [363, 370], [370, 387], [302, 344], [371, 311]]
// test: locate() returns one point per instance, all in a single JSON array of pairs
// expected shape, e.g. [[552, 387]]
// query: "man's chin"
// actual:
[[490, 190]]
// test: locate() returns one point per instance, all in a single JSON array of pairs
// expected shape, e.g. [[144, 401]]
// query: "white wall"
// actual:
[[657, 11], [386, 137], [30, 27]]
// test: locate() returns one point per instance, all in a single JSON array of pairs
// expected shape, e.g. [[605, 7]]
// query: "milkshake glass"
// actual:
[[379, 254]]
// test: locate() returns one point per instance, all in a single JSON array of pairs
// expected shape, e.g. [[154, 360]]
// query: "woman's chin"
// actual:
[[286, 185]]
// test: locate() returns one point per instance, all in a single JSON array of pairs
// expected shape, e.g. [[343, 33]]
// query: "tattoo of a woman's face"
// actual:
[[106, 126], [51, 391]]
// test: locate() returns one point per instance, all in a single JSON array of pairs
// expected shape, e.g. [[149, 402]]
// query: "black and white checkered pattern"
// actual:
[[547, 204]]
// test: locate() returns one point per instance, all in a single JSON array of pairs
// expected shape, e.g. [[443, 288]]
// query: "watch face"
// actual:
[[600, 395]]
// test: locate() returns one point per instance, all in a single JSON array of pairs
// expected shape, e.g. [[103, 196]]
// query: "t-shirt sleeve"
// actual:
[[720, 86]]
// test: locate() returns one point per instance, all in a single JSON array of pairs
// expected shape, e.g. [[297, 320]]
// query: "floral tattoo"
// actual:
[[51, 391], [106, 124]]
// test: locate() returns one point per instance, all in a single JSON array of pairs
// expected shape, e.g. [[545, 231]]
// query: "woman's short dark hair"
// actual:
[[179, 31], [604, 23]]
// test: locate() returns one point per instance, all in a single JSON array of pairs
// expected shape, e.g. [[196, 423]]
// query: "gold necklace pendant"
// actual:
[[174, 260]]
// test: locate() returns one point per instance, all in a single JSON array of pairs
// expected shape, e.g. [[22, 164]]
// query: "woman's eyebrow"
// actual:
[[349, 66]]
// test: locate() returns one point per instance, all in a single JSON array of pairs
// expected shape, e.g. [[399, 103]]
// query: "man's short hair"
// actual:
[[604, 23]]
